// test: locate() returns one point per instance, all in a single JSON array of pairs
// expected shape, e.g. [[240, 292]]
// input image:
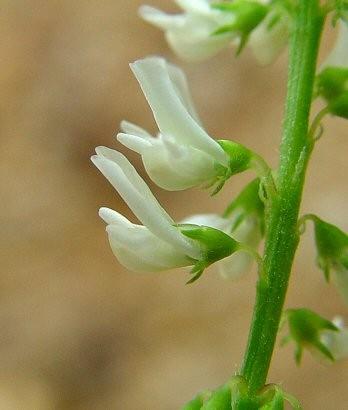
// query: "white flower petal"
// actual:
[[268, 42], [137, 248], [176, 167], [130, 128], [134, 191], [337, 342], [190, 48], [109, 216], [170, 113], [211, 220], [179, 80], [235, 266], [160, 19], [134, 142], [195, 6]]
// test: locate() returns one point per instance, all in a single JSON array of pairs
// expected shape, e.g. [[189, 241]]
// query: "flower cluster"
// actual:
[[181, 156], [205, 27]]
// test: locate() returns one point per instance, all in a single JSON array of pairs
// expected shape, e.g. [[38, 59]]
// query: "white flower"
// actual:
[[182, 155], [339, 54], [247, 232], [190, 33], [158, 245], [337, 342]]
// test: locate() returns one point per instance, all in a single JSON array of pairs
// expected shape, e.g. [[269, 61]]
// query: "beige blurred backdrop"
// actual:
[[79, 332]]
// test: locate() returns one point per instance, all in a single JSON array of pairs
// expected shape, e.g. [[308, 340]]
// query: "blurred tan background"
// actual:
[[77, 331]]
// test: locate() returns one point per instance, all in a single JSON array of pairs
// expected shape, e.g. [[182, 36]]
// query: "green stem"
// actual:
[[282, 233]]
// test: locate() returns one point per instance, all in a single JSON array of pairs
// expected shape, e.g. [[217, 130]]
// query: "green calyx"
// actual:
[[332, 85], [332, 246], [245, 16], [215, 245], [305, 327], [239, 161], [239, 156]]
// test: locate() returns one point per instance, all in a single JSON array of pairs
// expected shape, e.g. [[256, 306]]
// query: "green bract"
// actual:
[[215, 245], [332, 246], [305, 328], [245, 16]]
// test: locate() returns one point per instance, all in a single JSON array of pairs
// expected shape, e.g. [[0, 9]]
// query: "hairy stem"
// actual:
[[282, 233]]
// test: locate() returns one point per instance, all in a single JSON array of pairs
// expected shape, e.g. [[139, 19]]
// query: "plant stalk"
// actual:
[[282, 233]]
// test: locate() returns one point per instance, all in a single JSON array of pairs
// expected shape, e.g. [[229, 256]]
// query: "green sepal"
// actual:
[[215, 245], [239, 161], [332, 246], [246, 14], [305, 328], [239, 156]]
